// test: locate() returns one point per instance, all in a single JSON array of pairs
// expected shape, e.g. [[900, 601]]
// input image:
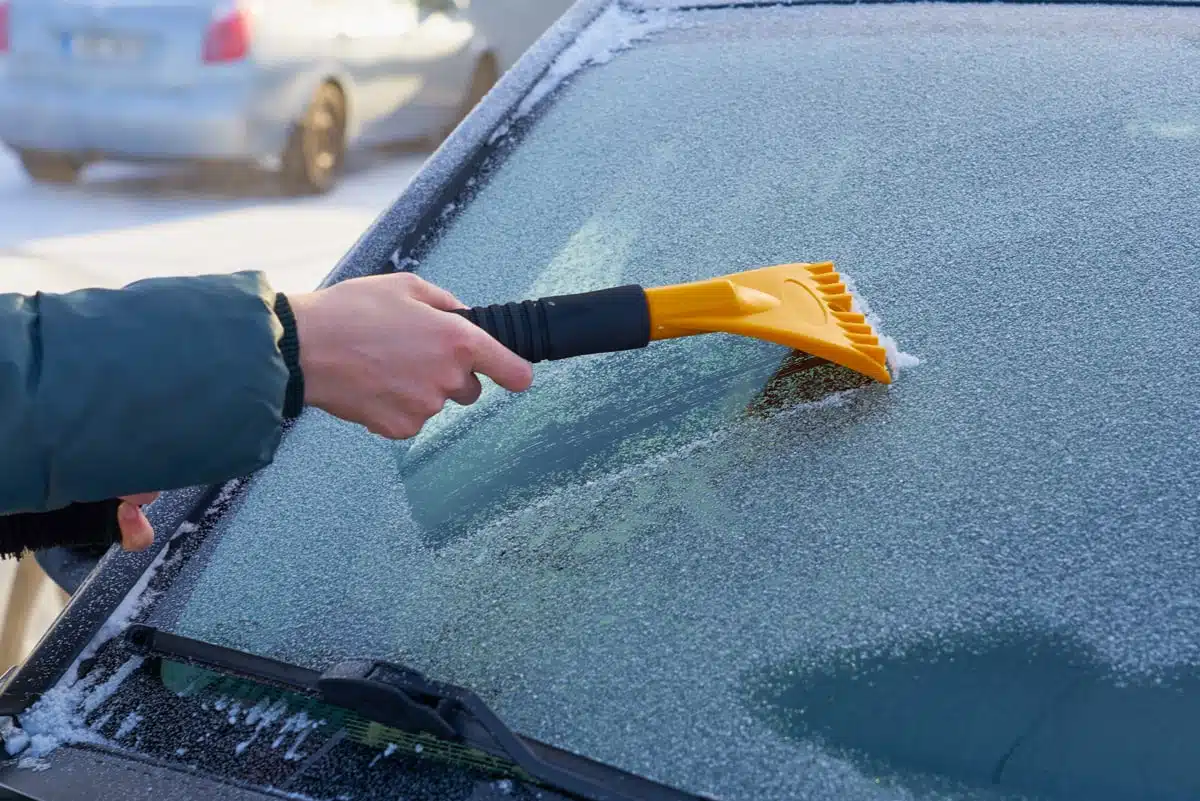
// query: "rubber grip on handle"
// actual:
[[563, 326], [79, 524]]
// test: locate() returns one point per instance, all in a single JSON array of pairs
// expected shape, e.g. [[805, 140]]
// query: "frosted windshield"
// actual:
[[983, 576]]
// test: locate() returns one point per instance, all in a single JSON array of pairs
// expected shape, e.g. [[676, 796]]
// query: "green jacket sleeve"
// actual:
[[167, 383]]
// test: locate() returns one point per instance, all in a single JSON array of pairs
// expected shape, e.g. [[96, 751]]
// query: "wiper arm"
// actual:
[[402, 698]]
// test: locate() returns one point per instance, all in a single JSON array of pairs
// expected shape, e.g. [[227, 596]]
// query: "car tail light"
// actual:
[[3, 27], [228, 37]]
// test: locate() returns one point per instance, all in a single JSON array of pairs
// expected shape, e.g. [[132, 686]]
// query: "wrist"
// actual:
[[289, 347], [315, 361]]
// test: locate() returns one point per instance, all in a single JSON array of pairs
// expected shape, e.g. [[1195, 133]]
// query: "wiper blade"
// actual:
[[396, 696]]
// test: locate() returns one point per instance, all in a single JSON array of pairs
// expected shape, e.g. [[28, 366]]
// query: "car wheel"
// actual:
[[482, 80], [316, 149], [51, 168]]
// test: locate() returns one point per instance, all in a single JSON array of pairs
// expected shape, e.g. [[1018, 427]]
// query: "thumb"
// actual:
[[136, 531]]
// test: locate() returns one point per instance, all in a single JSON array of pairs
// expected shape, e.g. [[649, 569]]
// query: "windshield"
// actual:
[[981, 576]]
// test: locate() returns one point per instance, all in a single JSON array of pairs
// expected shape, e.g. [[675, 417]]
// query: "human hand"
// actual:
[[383, 351], [136, 532]]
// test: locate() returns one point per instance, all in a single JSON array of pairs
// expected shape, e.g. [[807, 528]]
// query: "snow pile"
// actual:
[[265, 714], [59, 718], [387, 752], [897, 359], [128, 725], [14, 738], [262, 715], [614, 30], [301, 725]]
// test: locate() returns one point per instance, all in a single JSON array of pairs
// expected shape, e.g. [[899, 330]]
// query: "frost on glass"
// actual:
[[982, 578]]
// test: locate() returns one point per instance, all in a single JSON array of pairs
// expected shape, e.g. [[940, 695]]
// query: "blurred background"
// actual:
[[175, 137]]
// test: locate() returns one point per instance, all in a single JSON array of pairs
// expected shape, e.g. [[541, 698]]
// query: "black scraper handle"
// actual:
[[563, 326], [79, 524]]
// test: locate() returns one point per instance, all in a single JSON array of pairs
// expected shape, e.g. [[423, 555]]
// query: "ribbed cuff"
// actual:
[[289, 346]]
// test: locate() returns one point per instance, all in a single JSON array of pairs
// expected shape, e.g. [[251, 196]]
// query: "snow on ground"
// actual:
[[125, 223]]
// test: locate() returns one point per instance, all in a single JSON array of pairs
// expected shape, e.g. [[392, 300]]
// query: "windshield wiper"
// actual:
[[402, 698]]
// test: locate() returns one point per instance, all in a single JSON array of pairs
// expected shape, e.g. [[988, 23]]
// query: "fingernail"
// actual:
[[127, 512]]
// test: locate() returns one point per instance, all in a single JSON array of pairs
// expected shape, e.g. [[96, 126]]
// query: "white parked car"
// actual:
[[284, 84]]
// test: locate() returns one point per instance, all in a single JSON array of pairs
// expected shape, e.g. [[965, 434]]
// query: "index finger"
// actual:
[[498, 362], [435, 296]]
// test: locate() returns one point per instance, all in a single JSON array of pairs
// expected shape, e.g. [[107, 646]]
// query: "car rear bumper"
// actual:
[[135, 123]]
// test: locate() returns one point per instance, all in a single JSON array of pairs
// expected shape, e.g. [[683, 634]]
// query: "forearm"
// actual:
[[166, 383]]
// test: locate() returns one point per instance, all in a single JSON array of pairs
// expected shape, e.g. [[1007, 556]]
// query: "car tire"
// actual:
[[316, 150], [482, 80], [51, 168]]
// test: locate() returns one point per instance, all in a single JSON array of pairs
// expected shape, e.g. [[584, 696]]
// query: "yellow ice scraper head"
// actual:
[[802, 306]]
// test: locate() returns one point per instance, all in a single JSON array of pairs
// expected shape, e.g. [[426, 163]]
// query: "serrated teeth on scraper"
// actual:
[[804, 306]]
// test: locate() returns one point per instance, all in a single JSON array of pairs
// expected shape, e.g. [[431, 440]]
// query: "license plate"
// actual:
[[102, 47]]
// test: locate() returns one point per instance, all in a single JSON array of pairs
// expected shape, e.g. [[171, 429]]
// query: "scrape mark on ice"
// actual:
[[559, 496]]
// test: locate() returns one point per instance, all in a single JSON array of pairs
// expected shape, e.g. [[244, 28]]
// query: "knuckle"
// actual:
[[407, 282], [460, 340], [401, 428], [463, 357], [429, 406], [455, 380]]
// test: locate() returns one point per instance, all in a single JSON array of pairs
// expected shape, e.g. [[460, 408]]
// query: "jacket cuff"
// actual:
[[90, 525], [289, 346]]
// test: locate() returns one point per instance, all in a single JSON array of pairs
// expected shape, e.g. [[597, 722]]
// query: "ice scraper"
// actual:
[[803, 306]]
